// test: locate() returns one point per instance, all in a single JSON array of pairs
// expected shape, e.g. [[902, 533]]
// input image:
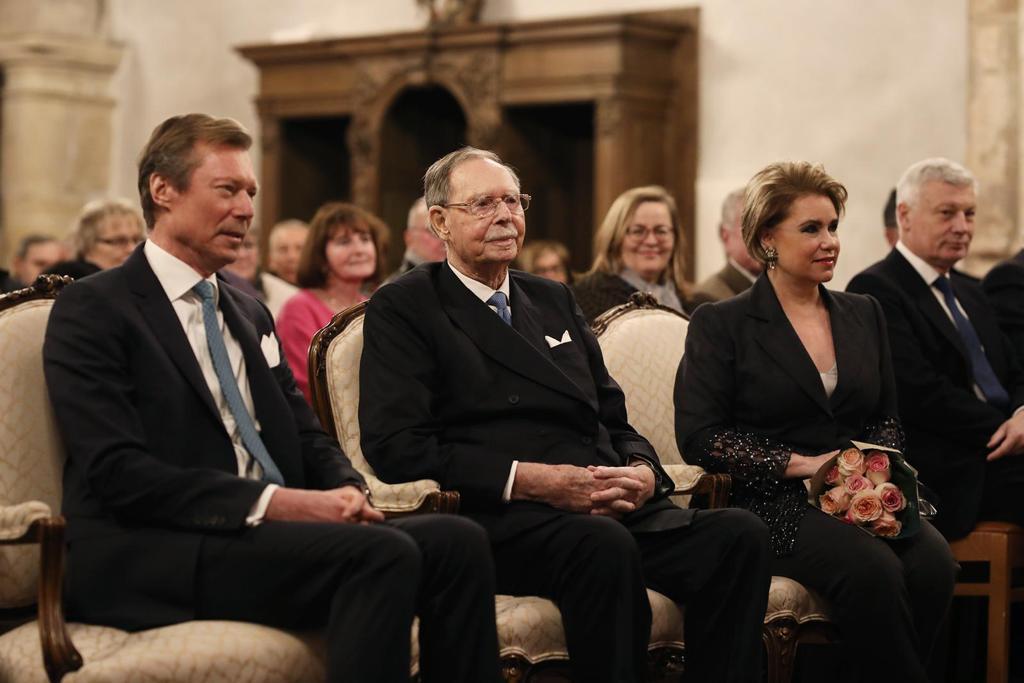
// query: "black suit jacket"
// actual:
[[947, 425], [748, 395], [1004, 286], [452, 393], [150, 467]]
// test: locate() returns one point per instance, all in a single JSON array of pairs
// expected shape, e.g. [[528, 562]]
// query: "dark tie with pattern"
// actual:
[[229, 385], [984, 375], [500, 301]]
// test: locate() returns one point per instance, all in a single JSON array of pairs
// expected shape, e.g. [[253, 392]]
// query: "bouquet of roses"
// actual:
[[871, 487]]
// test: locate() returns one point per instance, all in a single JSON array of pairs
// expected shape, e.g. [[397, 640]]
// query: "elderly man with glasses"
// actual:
[[490, 382]]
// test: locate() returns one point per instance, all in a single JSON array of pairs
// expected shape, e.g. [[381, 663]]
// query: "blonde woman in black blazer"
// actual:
[[775, 380]]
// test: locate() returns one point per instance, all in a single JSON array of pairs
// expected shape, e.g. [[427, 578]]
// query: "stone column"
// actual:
[[57, 118], [995, 146]]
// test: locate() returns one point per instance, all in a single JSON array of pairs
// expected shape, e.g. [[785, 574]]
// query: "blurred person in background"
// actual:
[[107, 232], [285, 249], [547, 258], [891, 227], [639, 247], [245, 274], [35, 254], [421, 244], [741, 269], [340, 261]]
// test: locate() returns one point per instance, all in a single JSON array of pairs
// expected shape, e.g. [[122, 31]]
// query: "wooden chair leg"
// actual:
[[779, 638], [998, 655]]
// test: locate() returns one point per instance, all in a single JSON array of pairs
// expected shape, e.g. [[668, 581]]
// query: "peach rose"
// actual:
[[877, 467], [850, 461], [855, 483], [834, 501], [892, 498], [865, 507], [832, 476], [887, 526]]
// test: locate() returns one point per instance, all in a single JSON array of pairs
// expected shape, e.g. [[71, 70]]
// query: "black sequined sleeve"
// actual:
[[754, 461], [886, 431]]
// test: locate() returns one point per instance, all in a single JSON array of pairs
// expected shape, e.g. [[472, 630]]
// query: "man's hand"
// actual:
[[804, 466], [1009, 438], [566, 487], [622, 489], [346, 505]]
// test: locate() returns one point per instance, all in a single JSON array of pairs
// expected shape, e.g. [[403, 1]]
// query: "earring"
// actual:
[[771, 257]]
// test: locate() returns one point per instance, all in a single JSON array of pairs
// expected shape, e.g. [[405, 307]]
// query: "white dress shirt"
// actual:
[[484, 292], [177, 279]]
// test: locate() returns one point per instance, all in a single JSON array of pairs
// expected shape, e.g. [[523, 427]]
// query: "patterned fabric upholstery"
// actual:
[[789, 599], [642, 350], [342, 361], [31, 456], [531, 627]]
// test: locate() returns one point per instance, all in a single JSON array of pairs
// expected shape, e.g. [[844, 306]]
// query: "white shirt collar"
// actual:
[[479, 289], [175, 276], [743, 271], [923, 268]]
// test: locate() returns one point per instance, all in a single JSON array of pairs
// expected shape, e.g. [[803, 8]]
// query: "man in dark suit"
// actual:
[[960, 388], [421, 244], [1004, 286], [490, 382], [741, 269], [198, 483]]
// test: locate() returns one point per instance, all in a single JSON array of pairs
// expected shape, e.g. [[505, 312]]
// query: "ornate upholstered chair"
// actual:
[[643, 344], [529, 628], [32, 550], [1000, 545]]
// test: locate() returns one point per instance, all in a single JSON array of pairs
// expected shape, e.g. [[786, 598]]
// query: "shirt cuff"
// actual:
[[259, 509], [1017, 411], [506, 494]]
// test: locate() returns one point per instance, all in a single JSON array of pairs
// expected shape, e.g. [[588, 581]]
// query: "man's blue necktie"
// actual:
[[500, 301], [984, 375], [222, 366]]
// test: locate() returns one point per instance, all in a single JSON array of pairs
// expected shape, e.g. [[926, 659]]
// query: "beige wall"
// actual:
[[864, 87]]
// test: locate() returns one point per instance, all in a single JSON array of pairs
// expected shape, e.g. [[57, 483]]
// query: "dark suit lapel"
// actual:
[[917, 289], [780, 341], [848, 338], [160, 316], [504, 345]]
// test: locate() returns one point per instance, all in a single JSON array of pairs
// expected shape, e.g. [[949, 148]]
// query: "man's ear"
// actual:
[[902, 211], [161, 190], [439, 223]]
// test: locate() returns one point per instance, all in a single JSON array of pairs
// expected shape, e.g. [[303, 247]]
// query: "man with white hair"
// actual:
[[741, 269], [961, 391], [421, 244]]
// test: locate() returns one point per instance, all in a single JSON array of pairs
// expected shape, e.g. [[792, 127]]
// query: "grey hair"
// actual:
[[30, 241], [732, 207], [437, 179], [87, 229], [288, 223], [418, 206], [927, 170]]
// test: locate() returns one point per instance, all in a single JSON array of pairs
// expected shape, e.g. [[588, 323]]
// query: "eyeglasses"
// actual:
[[121, 242], [660, 232], [484, 207]]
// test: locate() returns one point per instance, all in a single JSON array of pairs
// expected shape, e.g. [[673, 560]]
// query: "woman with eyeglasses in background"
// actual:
[[106, 233], [639, 247]]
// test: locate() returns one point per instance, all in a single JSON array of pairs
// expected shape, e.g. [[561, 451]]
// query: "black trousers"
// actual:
[[597, 572], [365, 583], [887, 598]]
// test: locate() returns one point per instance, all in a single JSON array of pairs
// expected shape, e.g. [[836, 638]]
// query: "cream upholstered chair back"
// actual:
[[334, 356], [31, 454], [643, 344]]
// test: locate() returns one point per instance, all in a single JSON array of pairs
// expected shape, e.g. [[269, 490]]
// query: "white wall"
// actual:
[[865, 87]]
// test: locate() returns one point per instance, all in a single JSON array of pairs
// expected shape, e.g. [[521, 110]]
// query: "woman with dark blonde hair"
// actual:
[[772, 383], [546, 258], [341, 263], [639, 247]]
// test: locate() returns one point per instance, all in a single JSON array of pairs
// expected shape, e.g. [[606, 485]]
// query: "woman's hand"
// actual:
[[804, 466]]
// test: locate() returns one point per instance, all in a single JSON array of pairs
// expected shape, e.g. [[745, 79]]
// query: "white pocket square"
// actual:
[[552, 342], [271, 351]]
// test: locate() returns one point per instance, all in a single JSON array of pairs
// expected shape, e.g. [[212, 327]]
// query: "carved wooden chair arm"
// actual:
[[693, 479], [412, 498], [31, 523]]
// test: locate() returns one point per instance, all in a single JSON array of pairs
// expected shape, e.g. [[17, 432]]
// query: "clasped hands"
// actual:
[[347, 505], [597, 490]]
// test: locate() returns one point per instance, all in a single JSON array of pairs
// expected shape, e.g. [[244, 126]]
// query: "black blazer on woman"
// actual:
[[748, 394]]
